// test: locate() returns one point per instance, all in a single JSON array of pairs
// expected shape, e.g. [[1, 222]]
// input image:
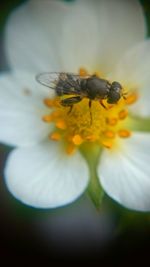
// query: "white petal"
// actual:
[[45, 177], [22, 109], [33, 36], [125, 174], [54, 35], [96, 33], [134, 72]]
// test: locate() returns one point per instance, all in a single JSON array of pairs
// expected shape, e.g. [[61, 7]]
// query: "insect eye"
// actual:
[[116, 86], [113, 97]]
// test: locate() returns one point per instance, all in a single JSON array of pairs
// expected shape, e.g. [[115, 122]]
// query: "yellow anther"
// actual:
[[91, 138], [61, 124], [98, 74], [112, 121], [107, 144], [77, 139], [109, 134], [124, 133], [109, 106], [55, 115], [55, 136], [83, 72], [123, 114], [49, 102], [47, 118], [70, 149], [132, 98]]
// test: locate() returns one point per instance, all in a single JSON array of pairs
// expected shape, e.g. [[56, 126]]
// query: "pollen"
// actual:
[[83, 125]]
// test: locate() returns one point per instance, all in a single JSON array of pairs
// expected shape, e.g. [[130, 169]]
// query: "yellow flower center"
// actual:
[[75, 126]]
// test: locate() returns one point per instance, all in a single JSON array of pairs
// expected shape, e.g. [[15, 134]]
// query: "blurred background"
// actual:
[[77, 232]]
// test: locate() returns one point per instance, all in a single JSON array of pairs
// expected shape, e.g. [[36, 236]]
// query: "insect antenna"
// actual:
[[102, 104], [124, 95]]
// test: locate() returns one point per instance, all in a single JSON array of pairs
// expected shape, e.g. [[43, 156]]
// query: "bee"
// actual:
[[79, 87]]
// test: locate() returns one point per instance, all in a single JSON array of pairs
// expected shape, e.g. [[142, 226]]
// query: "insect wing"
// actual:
[[49, 79], [69, 83], [63, 82]]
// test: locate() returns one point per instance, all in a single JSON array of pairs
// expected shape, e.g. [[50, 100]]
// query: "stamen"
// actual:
[[107, 144], [77, 139], [49, 102], [109, 134], [70, 149], [55, 115], [132, 98], [99, 74], [123, 114], [47, 118], [61, 124], [91, 138], [55, 136], [124, 133], [83, 72], [111, 121]]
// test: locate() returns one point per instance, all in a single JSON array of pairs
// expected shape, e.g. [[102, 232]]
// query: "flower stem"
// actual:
[[92, 154]]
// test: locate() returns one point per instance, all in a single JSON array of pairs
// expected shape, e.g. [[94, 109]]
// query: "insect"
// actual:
[[79, 87]]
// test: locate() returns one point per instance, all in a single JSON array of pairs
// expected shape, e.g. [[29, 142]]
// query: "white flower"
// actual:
[[102, 36]]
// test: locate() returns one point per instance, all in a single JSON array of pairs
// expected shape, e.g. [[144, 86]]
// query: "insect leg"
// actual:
[[102, 104], [70, 101], [70, 109], [90, 105], [124, 95]]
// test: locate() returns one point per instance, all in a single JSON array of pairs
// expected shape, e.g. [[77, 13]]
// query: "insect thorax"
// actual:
[[95, 87]]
